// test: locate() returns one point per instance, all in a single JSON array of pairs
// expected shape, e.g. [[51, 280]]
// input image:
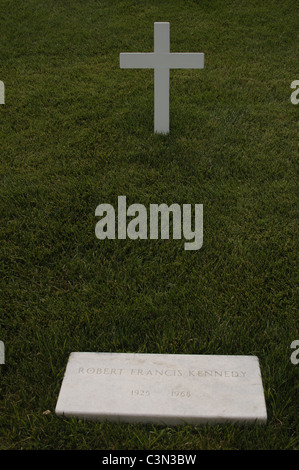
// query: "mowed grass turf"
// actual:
[[77, 131]]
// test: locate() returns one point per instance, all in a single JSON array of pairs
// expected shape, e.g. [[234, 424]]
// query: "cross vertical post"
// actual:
[[2, 93], [161, 79]]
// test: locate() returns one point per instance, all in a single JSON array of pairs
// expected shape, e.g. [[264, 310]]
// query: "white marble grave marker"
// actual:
[[163, 389], [161, 60]]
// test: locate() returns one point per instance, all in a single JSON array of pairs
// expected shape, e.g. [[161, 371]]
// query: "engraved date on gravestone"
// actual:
[[180, 394], [140, 393]]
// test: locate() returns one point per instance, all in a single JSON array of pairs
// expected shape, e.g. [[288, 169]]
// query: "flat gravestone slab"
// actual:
[[166, 389]]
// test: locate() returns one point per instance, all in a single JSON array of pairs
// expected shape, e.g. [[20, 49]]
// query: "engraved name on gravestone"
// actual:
[[162, 388]]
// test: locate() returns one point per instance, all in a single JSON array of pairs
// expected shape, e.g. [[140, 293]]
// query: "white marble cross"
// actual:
[[161, 60]]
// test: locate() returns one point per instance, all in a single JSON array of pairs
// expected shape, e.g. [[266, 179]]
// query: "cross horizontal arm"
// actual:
[[152, 60], [184, 60], [137, 60]]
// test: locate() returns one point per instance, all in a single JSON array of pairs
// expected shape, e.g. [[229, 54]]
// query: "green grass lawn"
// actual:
[[77, 131]]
